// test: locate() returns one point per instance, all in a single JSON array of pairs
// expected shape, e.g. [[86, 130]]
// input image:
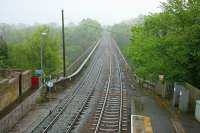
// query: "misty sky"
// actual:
[[47, 11]]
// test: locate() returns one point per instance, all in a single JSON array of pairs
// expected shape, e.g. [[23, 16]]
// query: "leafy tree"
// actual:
[[168, 43], [80, 37], [25, 42], [27, 54], [3, 52], [121, 33]]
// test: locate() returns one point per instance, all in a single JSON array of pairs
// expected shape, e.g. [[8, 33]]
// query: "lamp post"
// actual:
[[43, 34], [161, 77]]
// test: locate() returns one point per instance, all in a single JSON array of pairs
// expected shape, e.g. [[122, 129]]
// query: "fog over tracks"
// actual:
[[103, 84]]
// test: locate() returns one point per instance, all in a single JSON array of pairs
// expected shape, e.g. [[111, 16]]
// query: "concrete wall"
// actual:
[[9, 87], [194, 95], [9, 73], [8, 91], [26, 80], [11, 119]]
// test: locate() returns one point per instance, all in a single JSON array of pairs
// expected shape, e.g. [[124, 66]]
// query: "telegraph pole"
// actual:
[[63, 42]]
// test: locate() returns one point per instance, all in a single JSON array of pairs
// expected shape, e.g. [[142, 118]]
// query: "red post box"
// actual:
[[36, 82]]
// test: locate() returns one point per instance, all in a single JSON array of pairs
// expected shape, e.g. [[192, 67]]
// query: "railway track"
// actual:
[[46, 124], [84, 105], [111, 113]]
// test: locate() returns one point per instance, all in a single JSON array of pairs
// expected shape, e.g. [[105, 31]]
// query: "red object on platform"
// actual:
[[35, 82]]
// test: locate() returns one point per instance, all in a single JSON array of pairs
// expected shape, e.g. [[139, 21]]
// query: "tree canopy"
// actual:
[[168, 43], [3, 52], [23, 47]]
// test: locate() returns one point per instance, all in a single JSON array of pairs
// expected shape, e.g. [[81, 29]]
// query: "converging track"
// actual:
[[111, 112], [102, 83], [72, 102]]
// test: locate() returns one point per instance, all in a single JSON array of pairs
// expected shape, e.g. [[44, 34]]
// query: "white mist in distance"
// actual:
[[106, 12]]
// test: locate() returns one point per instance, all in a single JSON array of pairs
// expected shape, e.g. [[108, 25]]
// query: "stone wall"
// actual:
[[9, 87], [9, 73], [7, 122], [26, 80], [9, 91]]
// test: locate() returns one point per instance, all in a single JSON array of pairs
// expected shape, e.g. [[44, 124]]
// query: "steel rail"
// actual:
[[105, 99], [68, 100], [120, 52], [121, 98], [77, 71], [65, 106], [121, 85], [84, 104], [121, 91]]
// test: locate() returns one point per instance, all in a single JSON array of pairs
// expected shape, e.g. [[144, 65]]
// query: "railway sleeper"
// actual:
[[113, 95], [97, 111], [111, 115], [97, 115], [108, 130], [112, 105], [110, 122], [111, 112], [100, 103], [114, 101], [106, 125], [114, 109], [99, 107], [110, 119]]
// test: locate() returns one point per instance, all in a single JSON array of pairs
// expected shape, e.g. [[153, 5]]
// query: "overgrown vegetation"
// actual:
[[168, 43], [20, 45], [3, 52]]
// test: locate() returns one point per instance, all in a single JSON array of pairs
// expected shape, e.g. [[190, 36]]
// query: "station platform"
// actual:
[[141, 124]]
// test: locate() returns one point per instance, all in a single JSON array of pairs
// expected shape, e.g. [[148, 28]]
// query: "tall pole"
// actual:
[[41, 53], [63, 41], [43, 34]]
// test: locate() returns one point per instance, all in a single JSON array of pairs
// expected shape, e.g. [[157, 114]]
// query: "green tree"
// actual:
[[27, 54], [168, 43], [24, 44], [80, 37], [3, 52]]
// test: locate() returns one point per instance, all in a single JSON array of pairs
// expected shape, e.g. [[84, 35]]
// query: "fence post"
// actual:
[[20, 84]]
